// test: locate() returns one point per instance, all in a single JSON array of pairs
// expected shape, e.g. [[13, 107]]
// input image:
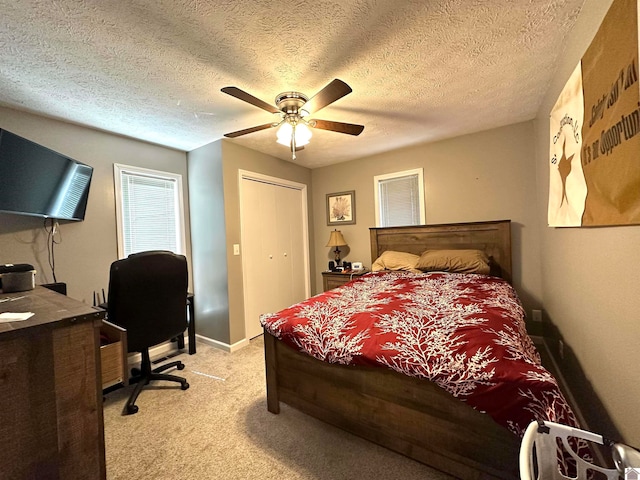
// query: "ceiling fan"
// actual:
[[294, 108]]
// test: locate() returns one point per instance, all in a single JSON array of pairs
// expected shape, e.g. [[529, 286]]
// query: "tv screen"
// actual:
[[35, 180]]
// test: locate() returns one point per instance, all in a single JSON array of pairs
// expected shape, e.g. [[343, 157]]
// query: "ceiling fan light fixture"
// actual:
[[286, 134]]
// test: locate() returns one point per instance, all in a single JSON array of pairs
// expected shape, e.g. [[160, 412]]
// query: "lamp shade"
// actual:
[[336, 239]]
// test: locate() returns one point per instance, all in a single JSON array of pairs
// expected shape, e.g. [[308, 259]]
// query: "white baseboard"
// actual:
[[167, 348], [222, 346]]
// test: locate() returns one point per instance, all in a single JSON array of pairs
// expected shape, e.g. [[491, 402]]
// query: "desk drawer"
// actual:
[[113, 355]]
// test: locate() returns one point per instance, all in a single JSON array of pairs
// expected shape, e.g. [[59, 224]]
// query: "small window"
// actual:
[[149, 210], [399, 198]]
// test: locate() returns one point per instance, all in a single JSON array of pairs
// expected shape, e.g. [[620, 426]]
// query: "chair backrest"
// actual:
[[148, 297], [549, 449]]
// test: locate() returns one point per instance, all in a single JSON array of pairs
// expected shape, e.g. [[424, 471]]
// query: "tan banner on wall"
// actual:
[[567, 187], [594, 145]]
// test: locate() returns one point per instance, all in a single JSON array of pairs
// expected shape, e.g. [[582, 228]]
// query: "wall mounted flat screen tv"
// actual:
[[35, 180]]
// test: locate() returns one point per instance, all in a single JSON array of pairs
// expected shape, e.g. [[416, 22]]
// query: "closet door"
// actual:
[[274, 252], [257, 247], [290, 248]]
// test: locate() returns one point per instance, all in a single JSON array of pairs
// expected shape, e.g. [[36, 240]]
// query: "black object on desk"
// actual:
[[59, 287]]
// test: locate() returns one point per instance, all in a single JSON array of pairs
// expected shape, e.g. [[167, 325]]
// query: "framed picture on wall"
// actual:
[[341, 208]]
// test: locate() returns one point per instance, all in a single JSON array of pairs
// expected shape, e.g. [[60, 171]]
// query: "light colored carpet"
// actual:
[[220, 429]]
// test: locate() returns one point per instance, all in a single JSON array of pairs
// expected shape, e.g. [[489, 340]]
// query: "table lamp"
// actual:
[[336, 240]]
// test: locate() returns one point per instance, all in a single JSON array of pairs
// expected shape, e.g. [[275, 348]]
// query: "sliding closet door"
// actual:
[[274, 252]]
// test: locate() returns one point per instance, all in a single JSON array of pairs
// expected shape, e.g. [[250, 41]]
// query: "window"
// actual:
[[399, 198], [149, 210]]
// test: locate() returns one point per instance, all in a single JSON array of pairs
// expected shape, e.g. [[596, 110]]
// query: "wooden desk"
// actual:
[[51, 423]]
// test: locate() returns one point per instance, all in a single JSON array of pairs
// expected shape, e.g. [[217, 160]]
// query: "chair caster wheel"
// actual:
[[180, 366], [184, 386], [131, 409]]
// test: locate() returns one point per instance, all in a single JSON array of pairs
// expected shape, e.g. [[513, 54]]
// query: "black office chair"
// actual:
[[148, 297]]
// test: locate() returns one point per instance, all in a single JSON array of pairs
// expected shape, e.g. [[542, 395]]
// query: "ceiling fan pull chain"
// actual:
[[293, 142]]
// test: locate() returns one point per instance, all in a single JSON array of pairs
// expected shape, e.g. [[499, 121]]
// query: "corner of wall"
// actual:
[[208, 241]]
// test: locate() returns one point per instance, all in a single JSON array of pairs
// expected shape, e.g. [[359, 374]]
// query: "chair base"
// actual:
[[146, 375]]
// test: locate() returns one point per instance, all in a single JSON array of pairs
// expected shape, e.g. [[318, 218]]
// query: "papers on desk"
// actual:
[[15, 316]]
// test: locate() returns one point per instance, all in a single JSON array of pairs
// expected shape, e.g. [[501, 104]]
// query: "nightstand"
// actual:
[[332, 280]]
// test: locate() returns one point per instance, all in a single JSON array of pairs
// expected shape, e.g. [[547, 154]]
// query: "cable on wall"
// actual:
[[52, 230]]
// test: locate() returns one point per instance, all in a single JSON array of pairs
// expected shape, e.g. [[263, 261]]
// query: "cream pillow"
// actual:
[[392, 260], [461, 261]]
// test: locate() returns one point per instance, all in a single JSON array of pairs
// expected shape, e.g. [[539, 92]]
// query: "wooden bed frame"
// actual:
[[410, 416]]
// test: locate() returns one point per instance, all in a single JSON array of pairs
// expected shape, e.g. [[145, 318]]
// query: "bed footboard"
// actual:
[[410, 416]]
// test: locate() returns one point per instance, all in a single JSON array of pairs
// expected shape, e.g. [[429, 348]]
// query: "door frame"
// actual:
[[278, 182]]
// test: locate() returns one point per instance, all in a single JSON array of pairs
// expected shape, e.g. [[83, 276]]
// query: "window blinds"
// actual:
[[399, 199], [149, 213]]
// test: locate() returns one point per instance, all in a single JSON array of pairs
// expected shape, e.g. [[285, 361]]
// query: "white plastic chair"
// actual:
[[539, 452]]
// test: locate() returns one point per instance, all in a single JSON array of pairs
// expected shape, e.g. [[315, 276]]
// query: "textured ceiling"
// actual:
[[420, 70]]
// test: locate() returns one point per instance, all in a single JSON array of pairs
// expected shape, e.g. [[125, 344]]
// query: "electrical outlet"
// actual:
[[561, 349], [236, 249], [536, 315]]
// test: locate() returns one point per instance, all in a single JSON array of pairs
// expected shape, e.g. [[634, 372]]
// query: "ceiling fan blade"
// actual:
[[350, 128], [247, 97], [249, 130], [329, 94]]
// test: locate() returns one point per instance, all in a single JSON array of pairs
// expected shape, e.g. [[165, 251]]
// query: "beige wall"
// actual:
[[484, 176], [88, 248], [591, 278]]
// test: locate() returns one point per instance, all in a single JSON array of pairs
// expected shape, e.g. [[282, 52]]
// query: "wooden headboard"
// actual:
[[492, 237]]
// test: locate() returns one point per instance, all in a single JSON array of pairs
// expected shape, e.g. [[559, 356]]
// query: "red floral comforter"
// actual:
[[464, 332]]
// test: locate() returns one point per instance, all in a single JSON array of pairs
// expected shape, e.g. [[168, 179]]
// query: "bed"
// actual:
[[409, 415]]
